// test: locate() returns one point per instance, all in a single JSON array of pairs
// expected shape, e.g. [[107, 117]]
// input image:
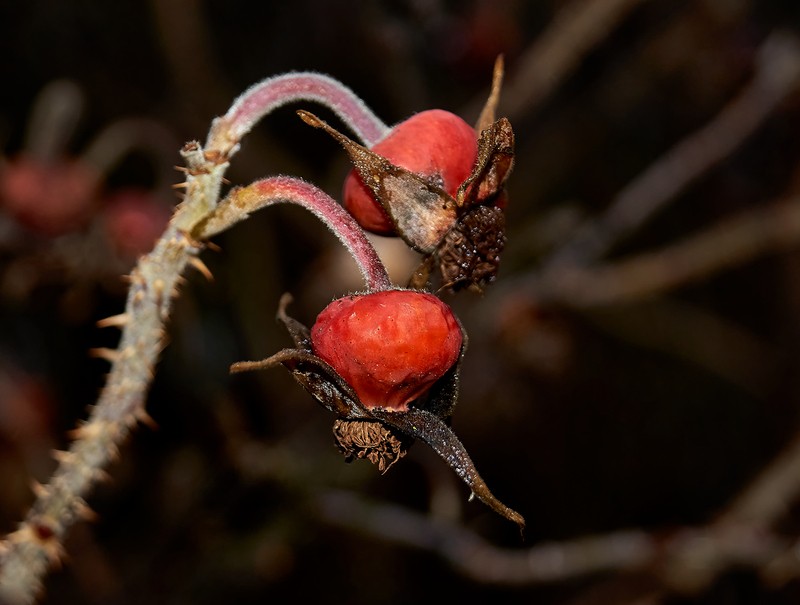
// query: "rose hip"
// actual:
[[436, 144], [389, 346], [50, 198]]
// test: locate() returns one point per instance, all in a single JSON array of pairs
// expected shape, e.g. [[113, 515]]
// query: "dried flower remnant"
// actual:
[[457, 232], [415, 408], [435, 144], [437, 187]]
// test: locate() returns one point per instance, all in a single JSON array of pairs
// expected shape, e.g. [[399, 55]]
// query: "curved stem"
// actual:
[[28, 553], [269, 94], [242, 201]]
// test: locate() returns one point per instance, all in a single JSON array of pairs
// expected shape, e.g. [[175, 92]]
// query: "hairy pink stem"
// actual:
[[273, 190], [269, 94]]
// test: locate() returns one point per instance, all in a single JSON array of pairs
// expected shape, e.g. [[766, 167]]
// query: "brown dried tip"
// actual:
[[421, 211], [489, 110]]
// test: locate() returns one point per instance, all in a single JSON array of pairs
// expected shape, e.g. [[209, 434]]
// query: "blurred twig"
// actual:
[[685, 560], [478, 559], [575, 30], [697, 335], [769, 229], [777, 72]]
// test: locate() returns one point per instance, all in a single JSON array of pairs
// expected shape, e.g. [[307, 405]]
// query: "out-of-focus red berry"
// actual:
[[26, 406], [133, 220], [51, 198], [389, 346], [436, 144]]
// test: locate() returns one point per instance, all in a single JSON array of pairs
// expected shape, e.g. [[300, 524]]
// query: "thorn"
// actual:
[[201, 267], [100, 475], [158, 289], [85, 431], [163, 343], [181, 185], [146, 419], [84, 511], [115, 321], [129, 421], [110, 355], [63, 456], [39, 490]]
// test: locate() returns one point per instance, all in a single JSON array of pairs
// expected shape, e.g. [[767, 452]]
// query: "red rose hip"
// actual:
[[389, 346], [51, 198], [434, 143]]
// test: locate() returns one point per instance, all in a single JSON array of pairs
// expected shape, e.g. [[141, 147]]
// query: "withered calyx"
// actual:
[[374, 433]]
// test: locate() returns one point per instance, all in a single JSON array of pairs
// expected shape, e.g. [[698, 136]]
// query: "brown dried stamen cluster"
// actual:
[[370, 440]]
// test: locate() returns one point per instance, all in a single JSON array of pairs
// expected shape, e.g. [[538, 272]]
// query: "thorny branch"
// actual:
[[36, 545]]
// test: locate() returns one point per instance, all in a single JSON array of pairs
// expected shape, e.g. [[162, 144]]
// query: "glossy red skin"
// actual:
[[433, 143], [389, 346]]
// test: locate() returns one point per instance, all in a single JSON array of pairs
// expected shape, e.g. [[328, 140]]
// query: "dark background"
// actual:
[[650, 413]]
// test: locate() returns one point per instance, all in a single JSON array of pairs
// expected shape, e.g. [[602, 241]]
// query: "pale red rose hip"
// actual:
[[434, 143], [51, 198], [389, 346], [132, 220]]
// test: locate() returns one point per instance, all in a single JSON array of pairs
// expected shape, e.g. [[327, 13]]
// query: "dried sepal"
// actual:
[[421, 211], [487, 116], [300, 334], [494, 164], [431, 429], [321, 381]]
